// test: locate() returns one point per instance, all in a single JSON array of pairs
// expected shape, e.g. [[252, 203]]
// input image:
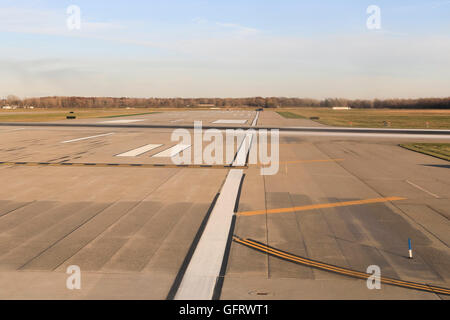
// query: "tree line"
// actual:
[[259, 102]]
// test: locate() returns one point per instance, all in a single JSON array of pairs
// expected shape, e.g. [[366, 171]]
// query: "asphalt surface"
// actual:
[[133, 231]]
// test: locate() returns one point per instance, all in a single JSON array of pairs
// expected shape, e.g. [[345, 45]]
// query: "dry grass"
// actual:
[[438, 150], [290, 115], [377, 118], [43, 115]]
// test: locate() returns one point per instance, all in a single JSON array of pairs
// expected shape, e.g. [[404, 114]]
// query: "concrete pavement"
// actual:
[[131, 229]]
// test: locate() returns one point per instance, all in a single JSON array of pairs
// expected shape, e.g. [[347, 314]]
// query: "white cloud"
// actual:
[[225, 59], [240, 30], [365, 66]]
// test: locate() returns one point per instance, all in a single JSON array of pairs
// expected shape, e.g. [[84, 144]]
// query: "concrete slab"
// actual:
[[304, 289], [353, 237]]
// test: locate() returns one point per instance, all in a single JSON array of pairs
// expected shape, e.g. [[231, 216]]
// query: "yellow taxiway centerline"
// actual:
[[319, 206]]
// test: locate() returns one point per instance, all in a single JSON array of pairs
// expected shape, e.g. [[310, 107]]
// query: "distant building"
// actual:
[[7, 107], [342, 108], [205, 105]]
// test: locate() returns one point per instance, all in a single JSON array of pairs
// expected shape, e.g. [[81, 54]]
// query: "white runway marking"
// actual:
[[169, 153], [122, 121], [203, 270], [255, 121], [86, 138], [139, 151], [201, 275], [11, 130], [244, 148], [230, 121], [424, 190]]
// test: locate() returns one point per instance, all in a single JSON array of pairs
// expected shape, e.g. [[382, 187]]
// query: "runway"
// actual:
[[108, 198]]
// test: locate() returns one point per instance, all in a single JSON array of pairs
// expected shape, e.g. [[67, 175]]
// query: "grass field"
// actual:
[[45, 115], [363, 118], [438, 150], [419, 119], [129, 115], [40, 115], [290, 115]]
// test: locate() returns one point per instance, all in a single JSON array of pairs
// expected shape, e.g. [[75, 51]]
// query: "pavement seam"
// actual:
[[152, 217], [118, 165], [66, 235], [238, 198], [438, 212], [98, 235], [425, 228], [20, 207]]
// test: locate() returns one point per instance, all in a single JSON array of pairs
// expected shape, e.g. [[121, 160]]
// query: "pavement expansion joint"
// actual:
[[121, 165]]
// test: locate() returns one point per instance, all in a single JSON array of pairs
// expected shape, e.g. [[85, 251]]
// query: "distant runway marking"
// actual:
[[320, 206], [335, 269], [255, 121], [230, 122], [119, 165], [424, 190], [139, 151], [169, 153], [11, 130], [122, 121], [86, 138], [244, 148]]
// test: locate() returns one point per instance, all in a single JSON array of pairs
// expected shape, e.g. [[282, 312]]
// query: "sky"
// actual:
[[233, 48]]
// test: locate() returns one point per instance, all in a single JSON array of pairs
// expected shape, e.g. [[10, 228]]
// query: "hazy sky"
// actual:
[[232, 48]]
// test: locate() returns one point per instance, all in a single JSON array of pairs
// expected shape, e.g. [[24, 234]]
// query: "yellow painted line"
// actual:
[[331, 268], [320, 206], [118, 165]]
